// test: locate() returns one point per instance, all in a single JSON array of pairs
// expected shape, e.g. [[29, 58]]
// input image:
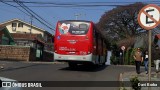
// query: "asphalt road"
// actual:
[[22, 71]]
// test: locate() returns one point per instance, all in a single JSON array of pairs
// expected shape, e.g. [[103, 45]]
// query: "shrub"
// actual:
[[134, 82]]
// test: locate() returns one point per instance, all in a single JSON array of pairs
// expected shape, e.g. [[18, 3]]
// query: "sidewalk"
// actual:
[[125, 77]]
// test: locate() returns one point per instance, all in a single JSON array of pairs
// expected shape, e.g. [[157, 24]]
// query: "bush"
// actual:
[[132, 61], [113, 60], [134, 82], [128, 56]]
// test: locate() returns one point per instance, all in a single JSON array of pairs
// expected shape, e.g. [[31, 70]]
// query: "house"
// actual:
[[19, 26], [33, 40], [157, 40], [24, 28], [49, 41], [5, 37]]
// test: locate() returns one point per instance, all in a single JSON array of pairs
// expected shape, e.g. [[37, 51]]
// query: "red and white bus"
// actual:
[[78, 42]]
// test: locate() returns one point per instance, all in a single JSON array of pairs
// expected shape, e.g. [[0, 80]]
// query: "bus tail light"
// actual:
[[87, 37], [55, 48], [89, 49]]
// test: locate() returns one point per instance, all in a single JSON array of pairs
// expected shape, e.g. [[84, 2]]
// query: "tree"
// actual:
[[121, 22]]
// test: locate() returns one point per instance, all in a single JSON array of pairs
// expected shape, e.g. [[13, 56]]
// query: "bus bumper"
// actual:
[[59, 57]]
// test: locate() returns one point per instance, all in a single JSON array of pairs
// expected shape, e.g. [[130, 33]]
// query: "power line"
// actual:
[[14, 6], [30, 12], [64, 6], [33, 12], [80, 4]]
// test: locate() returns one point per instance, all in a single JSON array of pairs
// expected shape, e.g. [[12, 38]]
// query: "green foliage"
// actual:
[[113, 59], [132, 61], [126, 57], [123, 88], [129, 60], [134, 82]]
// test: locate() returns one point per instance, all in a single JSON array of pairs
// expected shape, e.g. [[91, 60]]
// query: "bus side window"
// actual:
[[94, 33], [97, 43], [53, 39], [102, 46]]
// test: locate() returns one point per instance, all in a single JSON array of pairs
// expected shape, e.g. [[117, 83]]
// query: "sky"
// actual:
[[52, 11]]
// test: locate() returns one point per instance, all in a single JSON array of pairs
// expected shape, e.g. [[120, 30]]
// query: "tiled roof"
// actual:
[[24, 36], [28, 36]]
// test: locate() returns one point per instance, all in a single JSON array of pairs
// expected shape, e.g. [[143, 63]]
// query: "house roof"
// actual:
[[157, 36], [12, 20], [27, 36]]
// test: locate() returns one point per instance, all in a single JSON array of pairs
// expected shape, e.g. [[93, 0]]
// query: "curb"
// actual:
[[34, 62], [127, 65]]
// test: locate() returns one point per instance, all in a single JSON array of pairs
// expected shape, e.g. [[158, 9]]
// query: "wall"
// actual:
[[32, 54], [158, 43], [8, 52], [48, 56]]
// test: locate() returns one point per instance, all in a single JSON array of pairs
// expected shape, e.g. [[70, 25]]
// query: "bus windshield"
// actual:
[[74, 28]]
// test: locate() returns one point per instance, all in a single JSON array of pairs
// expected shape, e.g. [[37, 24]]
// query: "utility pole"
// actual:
[[31, 17], [31, 23], [78, 15]]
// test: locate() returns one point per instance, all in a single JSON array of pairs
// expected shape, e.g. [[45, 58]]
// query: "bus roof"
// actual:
[[76, 21]]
